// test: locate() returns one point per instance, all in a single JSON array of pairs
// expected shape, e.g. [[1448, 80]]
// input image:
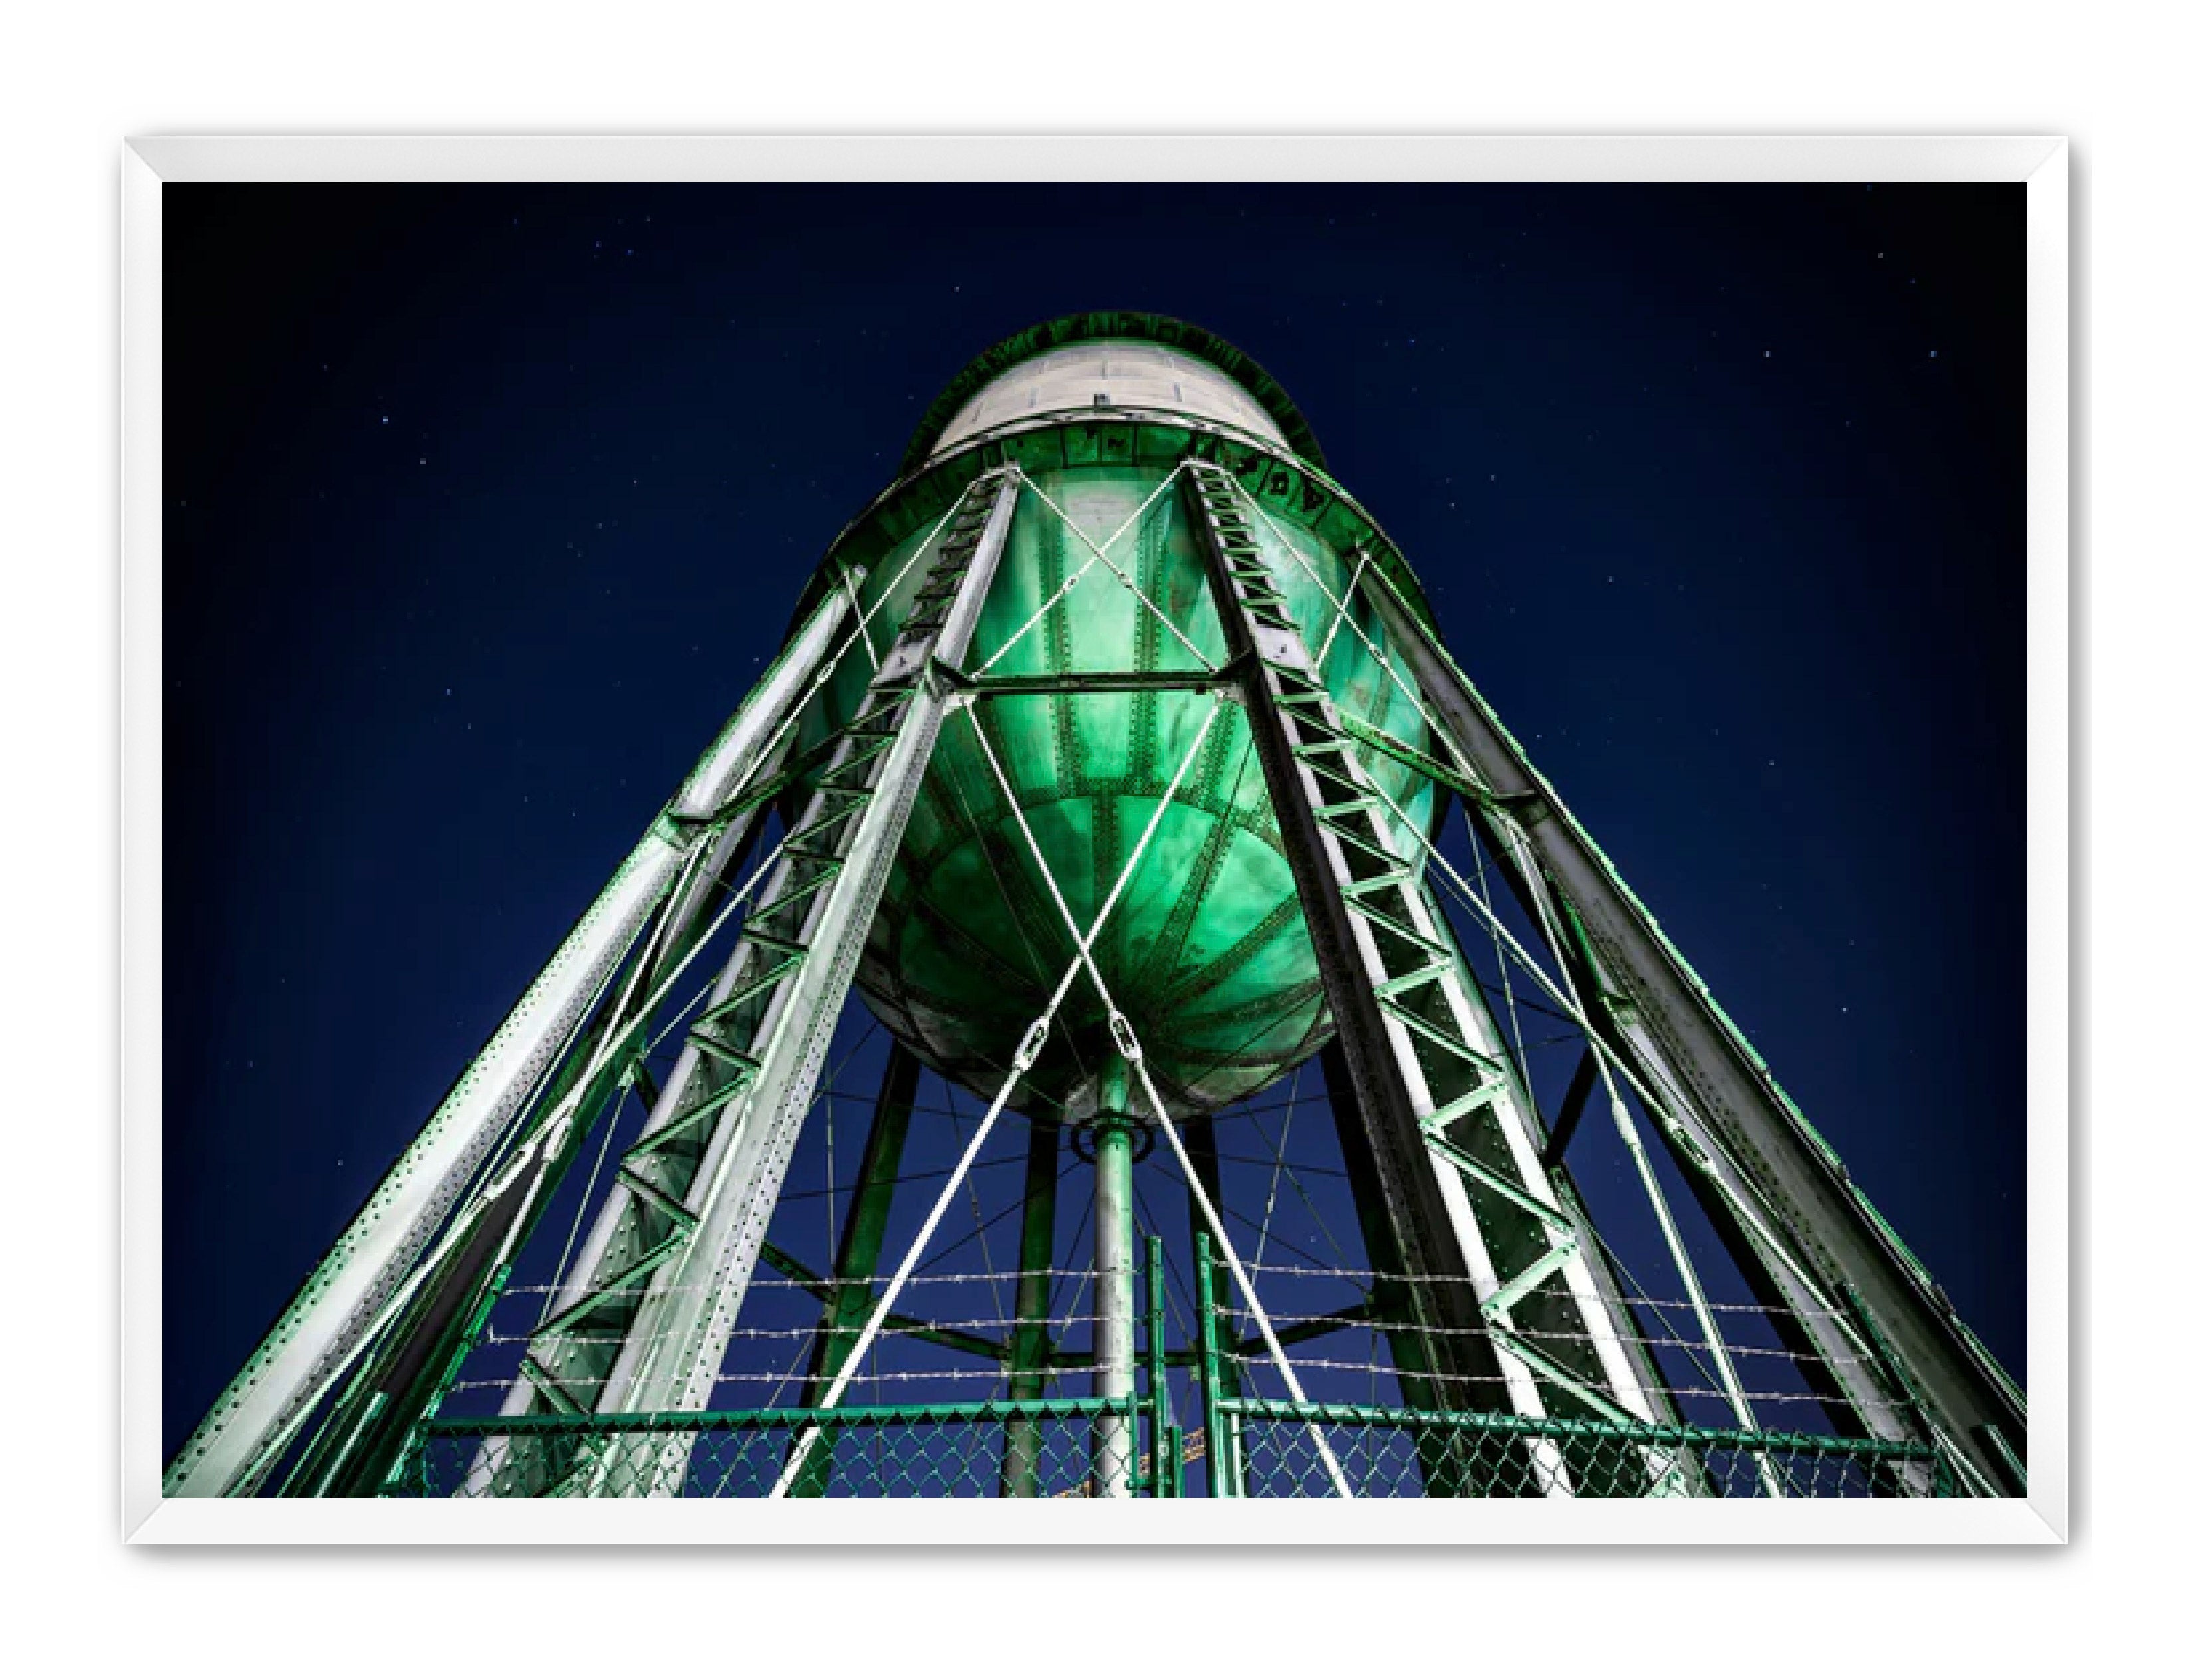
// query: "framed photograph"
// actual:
[[1055, 834]]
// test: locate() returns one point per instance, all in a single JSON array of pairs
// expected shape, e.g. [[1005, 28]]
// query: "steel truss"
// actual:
[[643, 1324], [1464, 1190], [377, 1265], [1495, 1295], [1882, 1337]]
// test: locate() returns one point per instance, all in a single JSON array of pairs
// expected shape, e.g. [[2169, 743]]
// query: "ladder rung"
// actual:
[[751, 989], [1414, 979]]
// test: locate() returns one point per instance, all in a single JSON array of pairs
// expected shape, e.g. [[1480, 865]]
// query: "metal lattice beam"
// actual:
[[324, 1327], [1464, 1192], [668, 1267], [1781, 1198]]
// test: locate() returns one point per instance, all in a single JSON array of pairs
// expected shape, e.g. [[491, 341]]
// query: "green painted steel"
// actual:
[[953, 1450], [1208, 953], [1429, 1065], [1388, 1451], [765, 1017], [1031, 1348], [851, 1296], [1221, 1440], [1109, 590], [1161, 1466]]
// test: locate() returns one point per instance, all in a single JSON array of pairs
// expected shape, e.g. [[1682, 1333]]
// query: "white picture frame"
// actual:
[[2040, 162]]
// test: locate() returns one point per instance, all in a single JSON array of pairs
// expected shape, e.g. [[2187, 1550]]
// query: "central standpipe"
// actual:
[[1115, 1130]]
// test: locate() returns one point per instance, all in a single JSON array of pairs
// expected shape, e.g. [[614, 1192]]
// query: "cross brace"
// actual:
[[1464, 1192]]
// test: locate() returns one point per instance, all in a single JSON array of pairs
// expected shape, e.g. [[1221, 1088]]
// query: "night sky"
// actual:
[[485, 505]]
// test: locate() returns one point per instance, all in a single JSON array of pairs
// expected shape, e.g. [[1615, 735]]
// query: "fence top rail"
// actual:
[[788, 1416], [1552, 1428]]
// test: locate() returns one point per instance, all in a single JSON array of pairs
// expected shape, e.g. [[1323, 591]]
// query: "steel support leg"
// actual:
[[1781, 1199], [404, 1380], [1209, 1166], [1115, 1131], [1489, 1258], [1223, 1448], [866, 1222], [340, 1305], [670, 1262]]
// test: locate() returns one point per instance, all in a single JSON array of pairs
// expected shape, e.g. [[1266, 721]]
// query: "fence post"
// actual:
[[1216, 1439], [1158, 1389]]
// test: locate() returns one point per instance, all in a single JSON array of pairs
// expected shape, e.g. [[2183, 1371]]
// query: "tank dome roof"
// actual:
[[1243, 395]]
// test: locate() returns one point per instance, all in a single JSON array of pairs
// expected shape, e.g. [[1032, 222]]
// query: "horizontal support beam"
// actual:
[[1094, 681], [1308, 1330], [824, 1290]]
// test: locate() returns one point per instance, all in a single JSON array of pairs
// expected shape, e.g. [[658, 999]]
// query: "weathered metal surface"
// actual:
[[998, 365], [1110, 373], [322, 1327], [646, 1322], [1083, 545], [1464, 1193], [1785, 1202], [1209, 951]]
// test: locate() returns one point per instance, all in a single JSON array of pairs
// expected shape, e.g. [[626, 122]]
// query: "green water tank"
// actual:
[[1207, 952]]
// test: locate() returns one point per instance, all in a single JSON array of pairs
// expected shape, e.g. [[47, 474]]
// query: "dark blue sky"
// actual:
[[484, 504]]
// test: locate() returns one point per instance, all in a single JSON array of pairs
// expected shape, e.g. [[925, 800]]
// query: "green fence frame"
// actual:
[[1381, 1448], [892, 1450], [1916, 1470], [594, 1440]]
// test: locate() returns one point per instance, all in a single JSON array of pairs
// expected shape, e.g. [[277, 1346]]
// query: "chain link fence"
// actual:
[[1390, 1452], [1026, 1449], [949, 1445]]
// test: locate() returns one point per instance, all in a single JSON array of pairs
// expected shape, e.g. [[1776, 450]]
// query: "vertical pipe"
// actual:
[[866, 1221], [1218, 1442], [1158, 1408], [1113, 1277], [1030, 1348], [1207, 1166]]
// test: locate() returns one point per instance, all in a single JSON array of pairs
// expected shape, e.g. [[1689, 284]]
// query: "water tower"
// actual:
[[1115, 765]]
